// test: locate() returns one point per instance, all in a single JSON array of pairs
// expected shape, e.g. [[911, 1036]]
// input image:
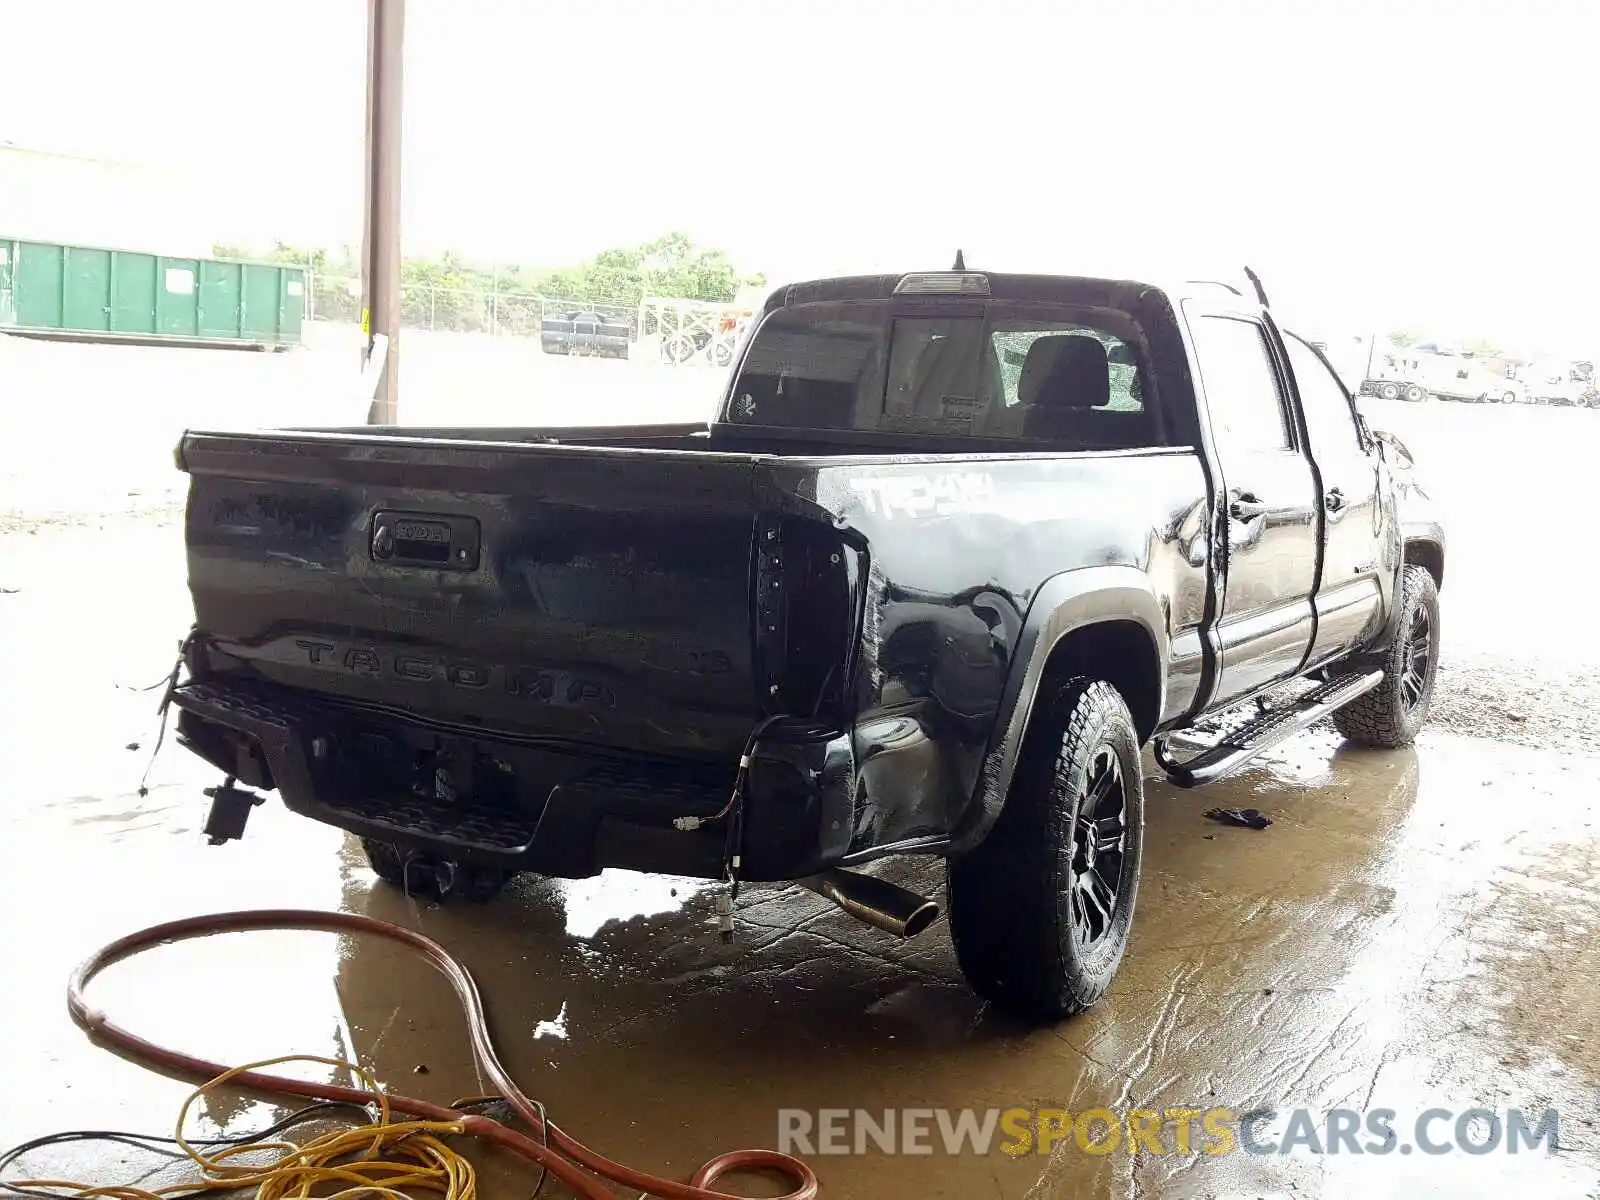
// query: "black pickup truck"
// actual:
[[954, 549]]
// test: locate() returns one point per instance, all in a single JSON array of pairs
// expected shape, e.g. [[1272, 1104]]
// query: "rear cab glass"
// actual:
[[1027, 373]]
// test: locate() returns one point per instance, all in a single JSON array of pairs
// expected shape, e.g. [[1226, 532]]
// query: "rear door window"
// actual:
[[1247, 411], [1330, 418]]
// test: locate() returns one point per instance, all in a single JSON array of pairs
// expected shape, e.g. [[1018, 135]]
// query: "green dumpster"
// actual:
[[95, 294]]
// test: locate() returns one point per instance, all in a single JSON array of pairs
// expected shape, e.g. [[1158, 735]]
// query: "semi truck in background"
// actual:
[[1387, 371], [1374, 366], [1452, 374]]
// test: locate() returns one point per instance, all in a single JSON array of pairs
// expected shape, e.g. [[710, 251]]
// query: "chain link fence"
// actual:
[[457, 310]]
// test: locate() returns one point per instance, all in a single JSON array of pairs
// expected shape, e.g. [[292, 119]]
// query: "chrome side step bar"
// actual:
[[1241, 745]]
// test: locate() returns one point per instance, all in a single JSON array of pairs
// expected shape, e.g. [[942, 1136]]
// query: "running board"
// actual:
[[1241, 745]]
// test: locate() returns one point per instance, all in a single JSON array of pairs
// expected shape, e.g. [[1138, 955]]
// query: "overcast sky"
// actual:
[[1393, 163]]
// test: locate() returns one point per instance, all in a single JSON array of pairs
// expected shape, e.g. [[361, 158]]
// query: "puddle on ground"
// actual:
[[621, 896], [1412, 932]]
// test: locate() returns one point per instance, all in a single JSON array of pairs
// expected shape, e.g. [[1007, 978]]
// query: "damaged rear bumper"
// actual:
[[524, 802]]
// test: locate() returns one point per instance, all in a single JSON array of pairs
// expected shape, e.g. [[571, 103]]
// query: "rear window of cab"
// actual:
[[1069, 378]]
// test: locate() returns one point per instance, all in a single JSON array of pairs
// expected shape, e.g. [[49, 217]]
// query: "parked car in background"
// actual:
[[1503, 391], [584, 333], [1556, 382]]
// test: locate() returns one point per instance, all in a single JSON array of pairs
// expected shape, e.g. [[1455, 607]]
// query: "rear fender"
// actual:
[[1067, 602]]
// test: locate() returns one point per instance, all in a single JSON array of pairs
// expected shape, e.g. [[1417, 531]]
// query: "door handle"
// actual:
[[1334, 500], [1246, 506]]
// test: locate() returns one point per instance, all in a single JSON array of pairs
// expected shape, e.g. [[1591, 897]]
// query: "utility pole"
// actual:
[[380, 242]]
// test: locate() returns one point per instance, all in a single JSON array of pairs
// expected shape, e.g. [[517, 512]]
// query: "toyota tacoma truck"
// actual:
[[955, 548]]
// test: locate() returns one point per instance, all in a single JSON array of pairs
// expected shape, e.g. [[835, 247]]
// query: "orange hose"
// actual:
[[564, 1156]]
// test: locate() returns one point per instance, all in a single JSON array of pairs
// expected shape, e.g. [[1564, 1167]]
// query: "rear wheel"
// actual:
[[1391, 714], [431, 878], [1389, 391], [1040, 911], [1415, 394]]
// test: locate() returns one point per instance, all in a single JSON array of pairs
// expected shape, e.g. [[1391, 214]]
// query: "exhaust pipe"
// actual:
[[876, 902]]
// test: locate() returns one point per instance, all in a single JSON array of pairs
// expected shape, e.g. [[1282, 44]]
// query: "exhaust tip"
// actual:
[[875, 902], [926, 914]]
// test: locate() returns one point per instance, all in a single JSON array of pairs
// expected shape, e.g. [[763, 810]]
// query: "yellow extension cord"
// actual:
[[372, 1160]]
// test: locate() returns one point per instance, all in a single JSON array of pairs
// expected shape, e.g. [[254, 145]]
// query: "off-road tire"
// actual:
[[418, 874], [1386, 717], [1010, 898]]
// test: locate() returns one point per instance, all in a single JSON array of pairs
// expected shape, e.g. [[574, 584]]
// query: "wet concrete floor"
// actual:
[[1417, 930]]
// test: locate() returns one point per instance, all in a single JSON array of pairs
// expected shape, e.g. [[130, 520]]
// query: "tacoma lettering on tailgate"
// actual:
[[542, 685]]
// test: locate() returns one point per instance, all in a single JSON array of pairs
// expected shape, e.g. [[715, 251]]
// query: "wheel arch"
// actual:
[[1427, 552], [1103, 622]]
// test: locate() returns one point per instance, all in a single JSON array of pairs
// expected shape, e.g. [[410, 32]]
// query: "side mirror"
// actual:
[[1389, 444]]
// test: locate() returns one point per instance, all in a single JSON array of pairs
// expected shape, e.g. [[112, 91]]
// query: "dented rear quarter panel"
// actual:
[[958, 552]]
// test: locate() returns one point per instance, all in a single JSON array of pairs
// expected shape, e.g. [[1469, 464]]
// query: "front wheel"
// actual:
[[1040, 911], [1391, 714]]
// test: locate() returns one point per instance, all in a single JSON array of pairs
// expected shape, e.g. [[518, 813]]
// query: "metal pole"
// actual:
[[380, 243]]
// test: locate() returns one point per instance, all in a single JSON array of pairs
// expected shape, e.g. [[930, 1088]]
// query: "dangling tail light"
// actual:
[[807, 580]]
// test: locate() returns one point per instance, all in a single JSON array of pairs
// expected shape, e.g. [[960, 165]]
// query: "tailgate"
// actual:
[[593, 594]]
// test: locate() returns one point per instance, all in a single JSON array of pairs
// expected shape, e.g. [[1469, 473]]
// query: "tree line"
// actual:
[[449, 292]]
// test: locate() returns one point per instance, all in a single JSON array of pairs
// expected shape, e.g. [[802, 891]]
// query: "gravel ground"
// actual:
[[92, 450], [1534, 704], [1514, 484]]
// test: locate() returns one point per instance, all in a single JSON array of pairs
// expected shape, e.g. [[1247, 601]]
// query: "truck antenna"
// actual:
[[961, 262], [1261, 292]]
